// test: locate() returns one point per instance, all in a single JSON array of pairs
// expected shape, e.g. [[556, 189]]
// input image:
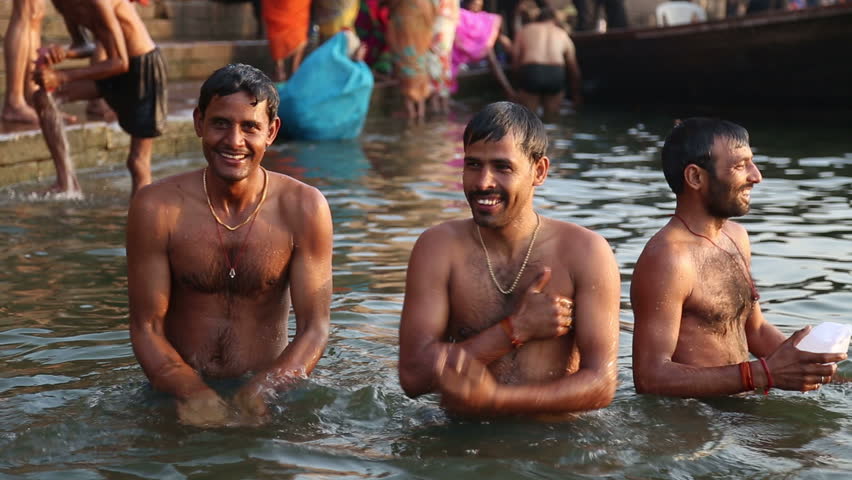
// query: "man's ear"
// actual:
[[540, 169], [274, 126], [197, 121], [694, 176]]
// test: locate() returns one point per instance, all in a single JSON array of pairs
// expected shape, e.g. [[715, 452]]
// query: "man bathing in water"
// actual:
[[509, 312], [131, 78], [216, 255], [696, 309], [543, 52]]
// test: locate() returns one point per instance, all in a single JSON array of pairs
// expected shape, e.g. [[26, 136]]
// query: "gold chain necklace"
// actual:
[[256, 209], [523, 266]]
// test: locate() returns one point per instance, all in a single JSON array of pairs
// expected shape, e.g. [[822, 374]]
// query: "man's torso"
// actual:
[[476, 304], [136, 37], [712, 330], [225, 326], [543, 43]]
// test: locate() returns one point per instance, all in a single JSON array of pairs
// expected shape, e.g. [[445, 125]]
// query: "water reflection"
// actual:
[[73, 401]]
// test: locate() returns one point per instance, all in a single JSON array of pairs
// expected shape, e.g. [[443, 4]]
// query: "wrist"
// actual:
[[768, 375], [509, 328]]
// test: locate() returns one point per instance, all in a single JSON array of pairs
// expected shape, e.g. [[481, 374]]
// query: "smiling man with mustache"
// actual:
[[696, 309], [216, 255], [510, 312]]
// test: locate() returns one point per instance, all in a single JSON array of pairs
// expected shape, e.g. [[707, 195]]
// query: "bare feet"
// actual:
[[19, 114], [69, 192]]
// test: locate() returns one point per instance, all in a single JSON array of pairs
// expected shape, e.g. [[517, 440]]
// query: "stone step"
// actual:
[[188, 20], [194, 60]]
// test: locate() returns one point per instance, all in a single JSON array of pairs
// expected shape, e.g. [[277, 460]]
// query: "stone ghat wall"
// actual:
[[198, 37]]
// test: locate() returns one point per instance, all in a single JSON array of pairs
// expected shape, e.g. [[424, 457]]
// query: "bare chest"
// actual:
[[721, 301], [246, 262]]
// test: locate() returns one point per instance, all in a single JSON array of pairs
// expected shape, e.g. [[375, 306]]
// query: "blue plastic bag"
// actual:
[[329, 95]]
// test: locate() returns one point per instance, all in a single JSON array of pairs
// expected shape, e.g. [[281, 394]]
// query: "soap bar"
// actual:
[[827, 337]]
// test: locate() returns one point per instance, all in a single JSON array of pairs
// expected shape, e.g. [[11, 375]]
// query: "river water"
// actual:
[[75, 404]]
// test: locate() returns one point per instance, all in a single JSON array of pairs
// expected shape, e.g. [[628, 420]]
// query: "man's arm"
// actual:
[[597, 302], [310, 290], [425, 314], [109, 34], [573, 69], [662, 281], [149, 285]]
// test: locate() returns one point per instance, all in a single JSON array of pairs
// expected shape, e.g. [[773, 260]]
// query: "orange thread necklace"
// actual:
[[744, 269]]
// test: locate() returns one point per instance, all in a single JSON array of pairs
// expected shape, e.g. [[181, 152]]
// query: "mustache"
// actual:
[[486, 193]]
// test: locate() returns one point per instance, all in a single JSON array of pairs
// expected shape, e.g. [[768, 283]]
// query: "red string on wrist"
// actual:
[[746, 376], [769, 382], [506, 324]]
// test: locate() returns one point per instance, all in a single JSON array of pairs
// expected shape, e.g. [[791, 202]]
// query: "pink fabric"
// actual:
[[475, 35]]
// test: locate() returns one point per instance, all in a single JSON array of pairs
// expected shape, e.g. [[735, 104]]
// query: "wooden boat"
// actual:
[[801, 57]]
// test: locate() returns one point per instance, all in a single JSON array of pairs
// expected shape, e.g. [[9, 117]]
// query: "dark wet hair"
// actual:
[[691, 142], [546, 13], [238, 77], [493, 122]]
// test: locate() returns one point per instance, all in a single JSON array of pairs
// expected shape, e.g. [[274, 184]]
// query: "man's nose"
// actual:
[[486, 181], [235, 137], [754, 175]]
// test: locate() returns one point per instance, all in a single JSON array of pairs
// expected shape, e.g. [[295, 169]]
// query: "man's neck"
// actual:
[[512, 239], [235, 197], [700, 221]]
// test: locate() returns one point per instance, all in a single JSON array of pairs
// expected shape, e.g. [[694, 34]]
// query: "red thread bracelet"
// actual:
[[506, 323], [769, 382]]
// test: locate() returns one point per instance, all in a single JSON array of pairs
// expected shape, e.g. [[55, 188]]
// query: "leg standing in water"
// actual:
[[23, 36]]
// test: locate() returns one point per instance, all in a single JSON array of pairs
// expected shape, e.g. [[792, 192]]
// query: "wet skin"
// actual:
[[451, 340], [695, 317], [189, 319]]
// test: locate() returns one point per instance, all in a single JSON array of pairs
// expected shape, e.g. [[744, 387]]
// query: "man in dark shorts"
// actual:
[[131, 78], [542, 53]]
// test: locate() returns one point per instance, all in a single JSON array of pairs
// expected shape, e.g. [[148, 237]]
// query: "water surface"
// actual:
[[75, 404]]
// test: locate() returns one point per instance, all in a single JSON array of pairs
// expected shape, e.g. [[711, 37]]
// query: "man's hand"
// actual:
[[250, 403], [465, 383], [48, 78], [542, 315], [51, 55], [793, 369], [204, 409]]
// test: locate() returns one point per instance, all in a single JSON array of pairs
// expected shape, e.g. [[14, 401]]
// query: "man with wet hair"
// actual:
[[131, 77], [509, 312], [695, 305], [215, 257]]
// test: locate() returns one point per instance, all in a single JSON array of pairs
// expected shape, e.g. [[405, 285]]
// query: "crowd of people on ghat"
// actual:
[[497, 319]]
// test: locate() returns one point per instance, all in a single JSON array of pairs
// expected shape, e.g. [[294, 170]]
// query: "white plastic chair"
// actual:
[[679, 13]]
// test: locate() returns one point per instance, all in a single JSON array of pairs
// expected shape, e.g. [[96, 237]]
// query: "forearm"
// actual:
[[587, 389], [163, 365], [96, 71], [417, 372], [297, 361], [680, 380], [764, 340], [498, 72]]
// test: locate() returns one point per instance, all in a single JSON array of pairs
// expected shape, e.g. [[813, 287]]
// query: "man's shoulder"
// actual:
[[290, 191], [168, 190], [448, 231], [667, 249], [577, 236]]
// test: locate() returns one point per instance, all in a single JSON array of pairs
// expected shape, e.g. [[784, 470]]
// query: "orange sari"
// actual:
[[287, 23]]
